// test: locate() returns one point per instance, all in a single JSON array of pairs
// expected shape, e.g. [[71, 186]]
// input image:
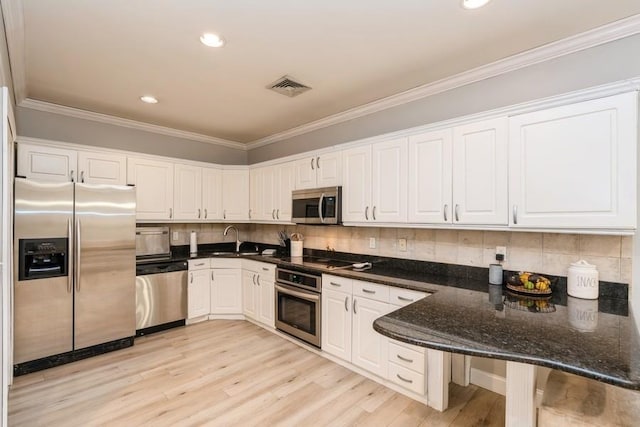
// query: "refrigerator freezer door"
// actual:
[[43, 308], [105, 225]]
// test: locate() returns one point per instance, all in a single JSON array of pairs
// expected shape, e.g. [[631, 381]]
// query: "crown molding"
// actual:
[[13, 15], [598, 36], [132, 124]]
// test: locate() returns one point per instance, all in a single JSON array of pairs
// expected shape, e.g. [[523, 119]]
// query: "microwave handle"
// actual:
[[320, 208]]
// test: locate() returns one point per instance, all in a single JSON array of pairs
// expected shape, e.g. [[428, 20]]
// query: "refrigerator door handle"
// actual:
[[69, 264], [78, 260]]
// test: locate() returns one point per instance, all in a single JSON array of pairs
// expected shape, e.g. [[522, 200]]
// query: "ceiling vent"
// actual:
[[286, 85]]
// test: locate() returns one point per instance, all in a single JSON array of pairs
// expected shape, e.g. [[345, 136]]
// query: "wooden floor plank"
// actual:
[[227, 373]]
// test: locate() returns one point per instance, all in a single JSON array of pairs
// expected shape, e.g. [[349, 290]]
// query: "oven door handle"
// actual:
[[302, 295]]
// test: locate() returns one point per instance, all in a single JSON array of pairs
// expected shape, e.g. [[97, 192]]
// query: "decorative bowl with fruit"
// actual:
[[529, 283]]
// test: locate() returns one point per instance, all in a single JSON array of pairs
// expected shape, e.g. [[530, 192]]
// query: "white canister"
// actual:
[[582, 280], [193, 244], [296, 248]]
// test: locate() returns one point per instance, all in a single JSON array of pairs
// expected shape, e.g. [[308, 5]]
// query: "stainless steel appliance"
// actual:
[[74, 260], [161, 284], [298, 308], [317, 206]]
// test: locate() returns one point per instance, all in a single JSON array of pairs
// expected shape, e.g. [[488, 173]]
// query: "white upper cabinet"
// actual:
[[480, 173], [356, 188], [154, 188], [235, 194], [211, 194], [430, 177], [187, 193], [284, 186], [575, 166], [44, 163], [375, 182], [102, 168], [271, 188], [47, 163], [389, 176], [321, 170]]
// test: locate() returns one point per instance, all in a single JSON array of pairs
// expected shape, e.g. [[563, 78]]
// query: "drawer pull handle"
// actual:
[[199, 264], [404, 359], [367, 291], [335, 284], [405, 299], [404, 379], [265, 268]]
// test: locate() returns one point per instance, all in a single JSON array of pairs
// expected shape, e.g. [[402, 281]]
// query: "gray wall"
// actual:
[[39, 124], [602, 64], [5, 71]]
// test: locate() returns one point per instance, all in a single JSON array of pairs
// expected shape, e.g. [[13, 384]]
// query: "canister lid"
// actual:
[[583, 264]]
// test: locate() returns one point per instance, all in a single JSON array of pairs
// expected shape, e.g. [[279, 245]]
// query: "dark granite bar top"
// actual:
[[575, 338], [596, 339]]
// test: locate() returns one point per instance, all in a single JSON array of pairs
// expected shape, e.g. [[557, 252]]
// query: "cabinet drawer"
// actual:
[[226, 263], [407, 378], [372, 291], [199, 264], [402, 297], [267, 271], [406, 357], [336, 283]]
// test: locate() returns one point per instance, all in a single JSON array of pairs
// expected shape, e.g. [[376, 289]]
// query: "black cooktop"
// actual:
[[317, 262]]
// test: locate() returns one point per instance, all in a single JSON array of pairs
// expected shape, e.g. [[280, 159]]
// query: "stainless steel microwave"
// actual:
[[317, 206]]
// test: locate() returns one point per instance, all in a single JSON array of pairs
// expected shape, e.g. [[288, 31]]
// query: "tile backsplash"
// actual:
[[540, 252]]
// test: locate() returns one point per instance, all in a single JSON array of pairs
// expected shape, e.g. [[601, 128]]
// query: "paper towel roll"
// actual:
[[193, 243]]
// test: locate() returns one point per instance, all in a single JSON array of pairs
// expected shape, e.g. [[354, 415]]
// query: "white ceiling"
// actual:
[[102, 56]]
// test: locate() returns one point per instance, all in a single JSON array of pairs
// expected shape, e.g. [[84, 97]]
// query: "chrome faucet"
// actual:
[[233, 227]]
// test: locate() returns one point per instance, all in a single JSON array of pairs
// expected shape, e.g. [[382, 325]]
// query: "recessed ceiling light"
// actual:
[[212, 40], [474, 4], [149, 99]]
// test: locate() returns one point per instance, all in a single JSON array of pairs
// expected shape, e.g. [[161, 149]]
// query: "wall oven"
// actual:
[[298, 307], [317, 206]]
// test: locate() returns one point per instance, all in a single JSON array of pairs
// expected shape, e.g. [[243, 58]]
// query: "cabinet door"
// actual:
[[154, 188], [102, 168], [430, 175], [267, 185], [369, 349], [267, 301], [306, 173], [211, 194], [336, 324], [575, 166], [389, 175], [47, 163], [226, 291], [356, 191], [235, 194], [480, 173], [187, 194], [198, 293], [249, 299], [255, 194], [284, 187], [329, 169]]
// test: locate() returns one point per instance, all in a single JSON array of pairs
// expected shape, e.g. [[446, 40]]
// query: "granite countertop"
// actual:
[[464, 314], [575, 338]]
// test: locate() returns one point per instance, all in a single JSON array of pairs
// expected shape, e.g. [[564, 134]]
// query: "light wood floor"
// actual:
[[227, 373]]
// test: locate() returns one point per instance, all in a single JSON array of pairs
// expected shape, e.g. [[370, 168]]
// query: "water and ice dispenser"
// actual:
[[42, 258]]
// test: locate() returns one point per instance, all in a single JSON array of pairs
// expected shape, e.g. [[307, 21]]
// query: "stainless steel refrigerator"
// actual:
[[74, 266]]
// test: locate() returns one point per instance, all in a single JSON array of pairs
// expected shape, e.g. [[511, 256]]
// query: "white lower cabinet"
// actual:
[[198, 290], [258, 292], [226, 291], [347, 322]]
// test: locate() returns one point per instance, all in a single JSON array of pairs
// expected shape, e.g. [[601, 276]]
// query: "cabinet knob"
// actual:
[[71, 175], [346, 304], [446, 209], [198, 213], [191, 278], [515, 214], [224, 214], [170, 212], [206, 214], [317, 162], [81, 176], [354, 306], [277, 213], [457, 216], [312, 159], [374, 213], [366, 213]]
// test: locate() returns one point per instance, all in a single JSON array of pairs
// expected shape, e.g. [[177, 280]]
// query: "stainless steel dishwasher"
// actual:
[[161, 284]]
